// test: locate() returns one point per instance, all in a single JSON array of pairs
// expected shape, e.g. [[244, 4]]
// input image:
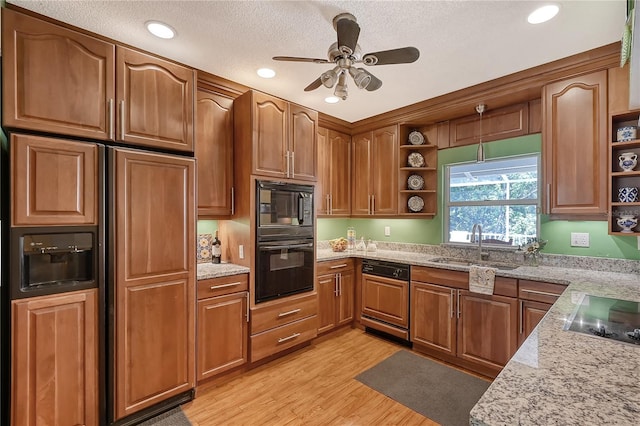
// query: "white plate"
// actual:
[[415, 159], [415, 182], [416, 138], [415, 204]]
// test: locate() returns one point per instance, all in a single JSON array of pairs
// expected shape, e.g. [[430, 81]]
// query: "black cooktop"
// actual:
[[607, 318]]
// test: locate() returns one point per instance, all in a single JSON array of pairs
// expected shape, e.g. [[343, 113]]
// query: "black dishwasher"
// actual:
[[385, 298]]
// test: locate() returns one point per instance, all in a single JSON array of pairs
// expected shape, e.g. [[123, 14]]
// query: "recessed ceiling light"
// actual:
[[332, 100], [543, 14], [160, 29], [266, 73]]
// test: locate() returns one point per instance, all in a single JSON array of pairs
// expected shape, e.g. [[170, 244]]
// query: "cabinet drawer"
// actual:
[[223, 285], [456, 279], [277, 314], [334, 266], [539, 291], [284, 337]]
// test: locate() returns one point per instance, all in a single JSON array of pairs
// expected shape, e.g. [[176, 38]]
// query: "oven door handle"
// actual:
[[287, 246], [300, 209]]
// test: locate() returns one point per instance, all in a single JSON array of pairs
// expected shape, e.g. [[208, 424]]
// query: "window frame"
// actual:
[[446, 202]]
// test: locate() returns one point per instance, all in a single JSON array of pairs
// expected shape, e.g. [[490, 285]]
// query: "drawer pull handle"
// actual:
[[284, 314], [542, 293], [284, 339], [342, 265], [215, 287]]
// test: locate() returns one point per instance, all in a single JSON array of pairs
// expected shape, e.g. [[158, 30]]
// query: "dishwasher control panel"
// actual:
[[383, 268]]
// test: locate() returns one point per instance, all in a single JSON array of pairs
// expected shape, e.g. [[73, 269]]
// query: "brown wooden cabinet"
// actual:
[[54, 181], [223, 325], [279, 137], [55, 79], [101, 91], [155, 101], [425, 195], [335, 285], [214, 152], [334, 173], [575, 146], [154, 258], [374, 174], [536, 298], [55, 360], [473, 330]]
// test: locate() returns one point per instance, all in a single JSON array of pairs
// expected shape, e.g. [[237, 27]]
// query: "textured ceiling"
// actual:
[[462, 43]]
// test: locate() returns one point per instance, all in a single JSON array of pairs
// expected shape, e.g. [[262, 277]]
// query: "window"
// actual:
[[501, 195]]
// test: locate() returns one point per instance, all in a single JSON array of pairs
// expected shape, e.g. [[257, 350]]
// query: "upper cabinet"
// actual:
[[279, 137], [214, 152], [334, 173], [575, 146], [418, 166], [57, 80], [375, 177], [54, 79]]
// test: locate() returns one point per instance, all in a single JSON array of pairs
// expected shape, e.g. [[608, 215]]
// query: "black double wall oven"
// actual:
[[285, 239]]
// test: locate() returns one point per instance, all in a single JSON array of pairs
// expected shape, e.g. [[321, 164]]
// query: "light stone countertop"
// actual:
[[557, 377], [217, 270]]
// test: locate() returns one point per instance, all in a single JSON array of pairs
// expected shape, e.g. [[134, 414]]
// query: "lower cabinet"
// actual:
[[222, 325], [55, 359], [282, 324], [536, 298], [476, 331], [335, 285]]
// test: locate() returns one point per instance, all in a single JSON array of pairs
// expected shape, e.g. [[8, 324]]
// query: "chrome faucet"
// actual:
[[481, 255]]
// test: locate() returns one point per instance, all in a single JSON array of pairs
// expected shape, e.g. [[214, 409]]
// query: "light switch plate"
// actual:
[[241, 249], [387, 231], [579, 239]]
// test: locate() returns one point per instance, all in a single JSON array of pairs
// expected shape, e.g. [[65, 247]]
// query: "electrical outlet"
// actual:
[[387, 231], [579, 239], [241, 249], [638, 242]]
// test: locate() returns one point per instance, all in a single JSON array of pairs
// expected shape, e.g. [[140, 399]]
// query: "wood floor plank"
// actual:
[[313, 386]]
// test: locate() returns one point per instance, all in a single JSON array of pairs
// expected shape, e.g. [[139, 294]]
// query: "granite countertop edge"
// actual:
[[218, 270]]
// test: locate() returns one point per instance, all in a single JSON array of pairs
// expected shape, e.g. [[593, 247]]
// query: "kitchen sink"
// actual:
[[464, 262]]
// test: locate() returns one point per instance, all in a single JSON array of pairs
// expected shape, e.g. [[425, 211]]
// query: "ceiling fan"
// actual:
[[346, 53]]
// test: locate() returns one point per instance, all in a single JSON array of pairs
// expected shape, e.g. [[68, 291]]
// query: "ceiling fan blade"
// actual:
[[297, 59], [314, 85], [348, 32], [375, 82], [403, 55]]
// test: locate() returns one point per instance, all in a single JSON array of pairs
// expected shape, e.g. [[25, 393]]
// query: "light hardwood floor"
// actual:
[[313, 386]]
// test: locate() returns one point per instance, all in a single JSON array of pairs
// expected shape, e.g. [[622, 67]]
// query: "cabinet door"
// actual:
[[361, 179], [384, 171], [223, 337], [531, 314], [214, 152], [55, 79], [340, 202], [326, 286], [155, 101], [303, 148], [575, 146], [323, 186], [55, 360], [487, 328], [270, 146], [385, 299], [55, 182], [345, 305], [433, 319], [154, 259]]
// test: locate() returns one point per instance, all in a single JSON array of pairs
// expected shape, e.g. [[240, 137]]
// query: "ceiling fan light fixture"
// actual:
[[341, 88], [330, 78], [360, 77]]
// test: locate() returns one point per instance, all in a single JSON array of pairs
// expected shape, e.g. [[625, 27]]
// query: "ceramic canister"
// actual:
[[628, 194], [627, 133], [628, 161]]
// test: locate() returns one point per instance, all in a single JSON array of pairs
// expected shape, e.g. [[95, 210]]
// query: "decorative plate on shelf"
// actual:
[[415, 204], [415, 159], [416, 138], [415, 182]]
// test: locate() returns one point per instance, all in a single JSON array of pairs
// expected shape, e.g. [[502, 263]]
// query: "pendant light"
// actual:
[[480, 154]]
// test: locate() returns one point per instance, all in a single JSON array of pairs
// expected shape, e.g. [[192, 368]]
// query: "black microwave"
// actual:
[[284, 210]]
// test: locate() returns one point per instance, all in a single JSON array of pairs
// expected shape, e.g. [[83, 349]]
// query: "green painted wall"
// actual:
[[207, 226], [430, 231]]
